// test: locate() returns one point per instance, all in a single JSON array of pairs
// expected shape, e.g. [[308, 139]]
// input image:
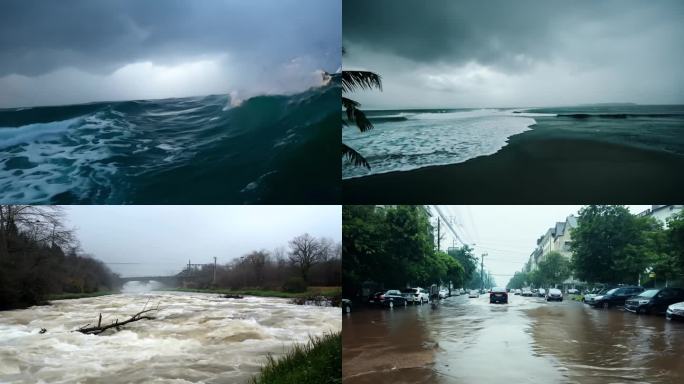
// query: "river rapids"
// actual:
[[195, 338]]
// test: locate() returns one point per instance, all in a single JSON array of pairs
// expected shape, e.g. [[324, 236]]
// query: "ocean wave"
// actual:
[[11, 136], [619, 115], [187, 150], [433, 138]]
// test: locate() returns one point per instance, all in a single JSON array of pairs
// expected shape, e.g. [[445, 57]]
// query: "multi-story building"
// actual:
[[556, 239], [662, 212]]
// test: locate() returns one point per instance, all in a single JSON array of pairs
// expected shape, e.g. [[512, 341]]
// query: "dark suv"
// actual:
[[498, 295], [616, 296], [654, 300]]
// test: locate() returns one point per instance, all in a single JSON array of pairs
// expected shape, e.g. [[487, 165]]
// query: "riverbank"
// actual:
[[319, 361], [550, 164], [311, 291], [67, 296]]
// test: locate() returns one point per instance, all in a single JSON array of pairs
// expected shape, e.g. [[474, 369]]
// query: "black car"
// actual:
[[616, 296], [654, 300], [389, 298], [498, 295]]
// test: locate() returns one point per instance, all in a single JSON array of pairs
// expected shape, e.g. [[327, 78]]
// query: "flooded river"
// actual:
[[194, 338], [465, 340]]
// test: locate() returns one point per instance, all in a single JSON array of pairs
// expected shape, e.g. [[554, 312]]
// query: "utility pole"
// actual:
[[438, 234], [482, 272], [214, 281]]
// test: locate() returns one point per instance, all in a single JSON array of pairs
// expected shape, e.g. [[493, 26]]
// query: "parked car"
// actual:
[[455, 292], [541, 292], [473, 294], [675, 311], [573, 291], [590, 297], [498, 295], [443, 293], [616, 296], [388, 298], [517, 292], [346, 305], [416, 295], [527, 292], [654, 300], [554, 294]]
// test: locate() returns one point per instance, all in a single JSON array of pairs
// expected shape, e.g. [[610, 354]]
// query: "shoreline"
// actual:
[[546, 164]]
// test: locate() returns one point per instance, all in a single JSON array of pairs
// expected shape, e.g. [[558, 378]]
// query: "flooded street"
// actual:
[[462, 340], [194, 338]]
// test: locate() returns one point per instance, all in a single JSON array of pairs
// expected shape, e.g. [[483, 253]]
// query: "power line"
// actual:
[[448, 224]]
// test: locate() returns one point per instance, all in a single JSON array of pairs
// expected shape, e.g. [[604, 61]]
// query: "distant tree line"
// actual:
[[39, 256], [306, 261], [392, 247], [554, 269], [613, 246]]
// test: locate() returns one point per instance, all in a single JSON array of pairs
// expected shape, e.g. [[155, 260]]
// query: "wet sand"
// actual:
[[541, 166]]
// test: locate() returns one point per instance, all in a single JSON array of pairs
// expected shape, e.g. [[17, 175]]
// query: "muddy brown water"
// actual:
[[195, 338], [463, 340]]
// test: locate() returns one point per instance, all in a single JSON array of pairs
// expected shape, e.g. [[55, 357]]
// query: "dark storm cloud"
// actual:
[[37, 37], [489, 53], [492, 32]]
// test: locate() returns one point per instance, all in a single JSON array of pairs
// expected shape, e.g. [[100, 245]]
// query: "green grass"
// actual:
[[65, 296], [317, 362], [311, 291]]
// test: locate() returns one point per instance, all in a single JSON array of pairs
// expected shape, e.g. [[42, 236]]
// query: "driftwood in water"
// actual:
[[116, 324], [228, 296]]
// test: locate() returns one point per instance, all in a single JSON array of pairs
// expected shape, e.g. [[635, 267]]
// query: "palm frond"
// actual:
[[349, 103], [362, 121], [355, 80], [354, 157], [356, 115], [350, 107]]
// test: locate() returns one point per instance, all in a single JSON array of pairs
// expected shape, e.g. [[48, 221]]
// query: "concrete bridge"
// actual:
[[170, 281]]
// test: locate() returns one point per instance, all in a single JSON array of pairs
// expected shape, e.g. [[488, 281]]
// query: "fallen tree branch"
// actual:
[[115, 324]]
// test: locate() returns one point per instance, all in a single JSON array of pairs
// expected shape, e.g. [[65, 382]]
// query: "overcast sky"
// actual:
[[507, 233], [161, 239], [445, 53], [73, 51]]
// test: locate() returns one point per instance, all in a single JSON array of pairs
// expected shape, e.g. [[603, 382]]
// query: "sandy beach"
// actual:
[[543, 166]]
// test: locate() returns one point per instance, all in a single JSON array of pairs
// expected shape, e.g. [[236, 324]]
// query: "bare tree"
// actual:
[[305, 251], [258, 260], [41, 224]]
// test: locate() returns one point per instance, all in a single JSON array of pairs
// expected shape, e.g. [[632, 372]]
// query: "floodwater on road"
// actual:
[[194, 338], [462, 340]]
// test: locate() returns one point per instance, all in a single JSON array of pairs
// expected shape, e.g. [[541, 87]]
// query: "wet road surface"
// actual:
[[461, 340]]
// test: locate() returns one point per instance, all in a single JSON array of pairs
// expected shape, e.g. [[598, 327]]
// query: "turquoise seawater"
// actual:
[[200, 150]]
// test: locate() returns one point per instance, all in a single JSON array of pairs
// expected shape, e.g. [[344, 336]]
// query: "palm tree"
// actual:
[[353, 81]]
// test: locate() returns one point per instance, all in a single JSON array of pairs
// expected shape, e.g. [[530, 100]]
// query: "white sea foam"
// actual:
[[10, 136], [427, 139]]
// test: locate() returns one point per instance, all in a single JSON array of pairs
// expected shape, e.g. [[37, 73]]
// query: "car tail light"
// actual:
[[381, 297]]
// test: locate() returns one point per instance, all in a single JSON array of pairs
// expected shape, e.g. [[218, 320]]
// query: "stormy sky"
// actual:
[[73, 51], [445, 53], [507, 233], [159, 240]]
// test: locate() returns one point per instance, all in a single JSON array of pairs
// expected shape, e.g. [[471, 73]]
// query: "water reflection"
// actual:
[[465, 340]]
